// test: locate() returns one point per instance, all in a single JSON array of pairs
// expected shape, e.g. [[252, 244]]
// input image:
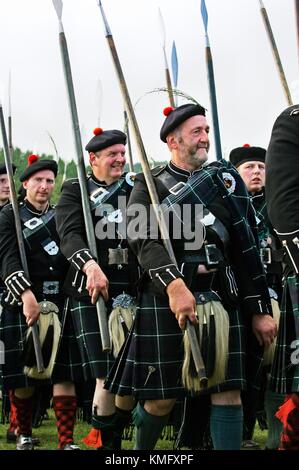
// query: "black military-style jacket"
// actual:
[[108, 208], [270, 247], [282, 189], [221, 190], [46, 265]]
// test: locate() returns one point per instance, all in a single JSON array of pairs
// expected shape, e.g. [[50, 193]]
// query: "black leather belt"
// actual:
[[209, 255], [268, 255]]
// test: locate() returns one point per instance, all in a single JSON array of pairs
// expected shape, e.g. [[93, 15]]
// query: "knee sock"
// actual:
[[123, 419], [24, 408], [107, 431], [103, 432], [288, 413], [272, 403], [148, 428], [12, 414], [226, 423], [65, 408]]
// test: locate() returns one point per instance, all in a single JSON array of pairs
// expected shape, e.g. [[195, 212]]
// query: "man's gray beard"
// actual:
[[199, 161]]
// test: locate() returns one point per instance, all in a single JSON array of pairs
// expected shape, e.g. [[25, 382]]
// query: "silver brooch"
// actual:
[[230, 182]]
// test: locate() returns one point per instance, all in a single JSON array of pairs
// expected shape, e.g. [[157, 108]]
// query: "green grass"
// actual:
[[48, 437]]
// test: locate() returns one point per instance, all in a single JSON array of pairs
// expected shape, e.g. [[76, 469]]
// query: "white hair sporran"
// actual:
[[121, 320], [49, 334], [212, 332]]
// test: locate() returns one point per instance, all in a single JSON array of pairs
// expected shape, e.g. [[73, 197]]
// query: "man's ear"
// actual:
[[92, 157], [25, 184], [172, 142]]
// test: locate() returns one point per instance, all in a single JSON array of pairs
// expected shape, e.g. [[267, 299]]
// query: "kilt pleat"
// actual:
[[149, 365], [80, 356], [284, 376], [13, 334], [13, 330]]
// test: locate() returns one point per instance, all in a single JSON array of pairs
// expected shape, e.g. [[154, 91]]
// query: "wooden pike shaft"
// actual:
[[213, 98], [169, 87], [282, 76], [10, 136], [100, 305], [22, 252], [127, 130]]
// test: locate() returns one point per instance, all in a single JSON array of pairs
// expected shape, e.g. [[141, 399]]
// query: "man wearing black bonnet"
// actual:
[[218, 279], [250, 163], [110, 272]]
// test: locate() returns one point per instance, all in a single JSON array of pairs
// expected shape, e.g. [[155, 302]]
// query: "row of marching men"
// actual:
[[218, 284]]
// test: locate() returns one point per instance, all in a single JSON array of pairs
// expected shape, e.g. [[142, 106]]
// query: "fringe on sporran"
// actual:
[[212, 333], [121, 320], [270, 350], [49, 328]]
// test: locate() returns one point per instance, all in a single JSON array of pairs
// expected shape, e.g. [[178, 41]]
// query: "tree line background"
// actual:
[[66, 170]]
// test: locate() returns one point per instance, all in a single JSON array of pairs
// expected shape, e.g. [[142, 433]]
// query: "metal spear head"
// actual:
[[105, 21], [162, 29], [204, 14], [58, 5]]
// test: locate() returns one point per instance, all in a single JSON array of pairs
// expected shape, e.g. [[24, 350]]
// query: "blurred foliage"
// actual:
[[66, 170]]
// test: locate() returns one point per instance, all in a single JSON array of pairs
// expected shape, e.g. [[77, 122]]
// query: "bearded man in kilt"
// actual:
[[222, 276], [250, 163], [25, 298], [113, 276], [282, 196]]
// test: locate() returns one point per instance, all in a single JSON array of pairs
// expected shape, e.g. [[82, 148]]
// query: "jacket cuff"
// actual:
[[255, 304], [290, 243], [163, 275], [79, 258], [17, 283]]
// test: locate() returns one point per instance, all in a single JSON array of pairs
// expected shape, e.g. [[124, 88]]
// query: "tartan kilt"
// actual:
[[149, 365], [13, 330], [80, 357], [284, 376]]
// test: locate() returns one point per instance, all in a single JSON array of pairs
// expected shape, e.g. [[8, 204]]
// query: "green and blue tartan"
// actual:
[[13, 330], [150, 364], [284, 377], [80, 356]]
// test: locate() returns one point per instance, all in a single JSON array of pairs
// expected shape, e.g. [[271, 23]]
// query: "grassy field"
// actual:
[[48, 437]]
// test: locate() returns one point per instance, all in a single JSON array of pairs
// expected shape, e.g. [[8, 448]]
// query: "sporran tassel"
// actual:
[[121, 320], [213, 328], [49, 334]]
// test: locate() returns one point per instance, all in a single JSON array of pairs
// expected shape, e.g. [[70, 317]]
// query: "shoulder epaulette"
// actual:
[[157, 170], [70, 182]]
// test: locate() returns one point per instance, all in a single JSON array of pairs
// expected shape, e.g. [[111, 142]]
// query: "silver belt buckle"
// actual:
[[118, 256], [51, 287], [265, 254], [211, 252]]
